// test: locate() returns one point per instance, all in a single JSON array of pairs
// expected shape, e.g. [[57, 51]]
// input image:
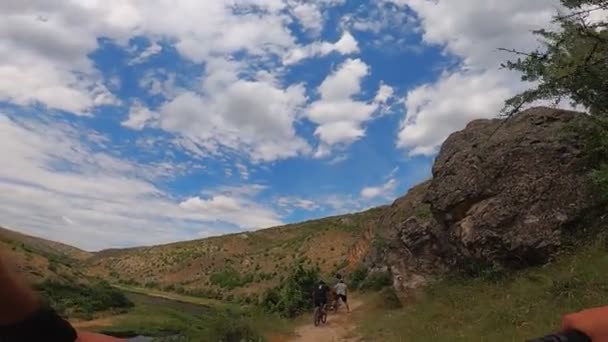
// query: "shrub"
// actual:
[[423, 211], [389, 298], [82, 300], [228, 278], [151, 284], [293, 295], [376, 281], [358, 276]]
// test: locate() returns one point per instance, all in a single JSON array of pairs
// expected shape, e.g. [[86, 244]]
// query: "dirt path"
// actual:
[[95, 323], [340, 327]]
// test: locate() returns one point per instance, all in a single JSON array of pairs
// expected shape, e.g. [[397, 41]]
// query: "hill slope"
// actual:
[[42, 259], [240, 264]]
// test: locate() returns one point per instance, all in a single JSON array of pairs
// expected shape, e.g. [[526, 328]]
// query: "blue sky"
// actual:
[[143, 122]]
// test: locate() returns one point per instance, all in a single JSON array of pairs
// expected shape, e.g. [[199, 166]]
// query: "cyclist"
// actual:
[[341, 291], [319, 295]]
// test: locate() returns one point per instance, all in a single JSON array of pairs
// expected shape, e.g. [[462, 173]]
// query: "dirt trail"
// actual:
[[95, 323], [340, 327]]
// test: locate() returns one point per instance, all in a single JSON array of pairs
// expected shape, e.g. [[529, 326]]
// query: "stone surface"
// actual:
[[501, 194]]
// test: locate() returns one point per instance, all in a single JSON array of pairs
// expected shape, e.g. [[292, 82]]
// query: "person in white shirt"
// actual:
[[342, 292]]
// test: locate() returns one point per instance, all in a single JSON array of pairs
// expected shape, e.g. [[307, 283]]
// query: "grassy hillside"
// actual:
[[56, 271], [239, 265], [498, 307], [41, 259]]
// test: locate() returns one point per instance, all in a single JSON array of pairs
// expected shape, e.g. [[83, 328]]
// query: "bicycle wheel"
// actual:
[[324, 317]]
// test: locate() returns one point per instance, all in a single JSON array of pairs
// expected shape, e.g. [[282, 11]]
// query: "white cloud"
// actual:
[[297, 202], [242, 212], [386, 190], [139, 117], [385, 93], [254, 117], [50, 176], [346, 45], [436, 110], [338, 115], [243, 171], [45, 46], [150, 51], [309, 15], [472, 31], [160, 82]]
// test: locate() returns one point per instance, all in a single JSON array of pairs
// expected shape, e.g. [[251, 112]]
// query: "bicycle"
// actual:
[[336, 304], [320, 315]]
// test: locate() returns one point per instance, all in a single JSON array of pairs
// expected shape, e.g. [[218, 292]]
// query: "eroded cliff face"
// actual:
[[502, 194]]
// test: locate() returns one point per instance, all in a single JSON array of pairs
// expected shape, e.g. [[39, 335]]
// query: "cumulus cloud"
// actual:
[[240, 211], [346, 45], [139, 117], [309, 15], [474, 32], [385, 93], [338, 115], [384, 190], [255, 117], [45, 46], [150, 51], [436, 110], [52, 176]]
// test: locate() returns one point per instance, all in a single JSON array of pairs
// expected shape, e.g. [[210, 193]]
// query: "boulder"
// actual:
[[502, 193]]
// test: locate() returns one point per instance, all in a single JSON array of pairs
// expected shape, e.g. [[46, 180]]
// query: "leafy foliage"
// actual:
[[376, 281], [230, 279], [83, 300], [572, 65], [358, 276], [294, 295]]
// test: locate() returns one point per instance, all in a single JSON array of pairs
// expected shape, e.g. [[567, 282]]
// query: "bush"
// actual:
[[293, 295], [82, 300], [423, 211], [389, 298], [376, 281], [230, 279], [151, 284], [358, 276]]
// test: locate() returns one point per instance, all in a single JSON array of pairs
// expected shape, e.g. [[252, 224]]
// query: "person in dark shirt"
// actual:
[[319, 295]]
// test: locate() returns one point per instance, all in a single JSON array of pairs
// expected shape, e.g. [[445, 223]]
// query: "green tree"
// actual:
[[571, 64], [294, 295]]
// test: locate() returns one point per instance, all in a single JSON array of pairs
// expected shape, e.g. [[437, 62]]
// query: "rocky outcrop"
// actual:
[[502, 193]]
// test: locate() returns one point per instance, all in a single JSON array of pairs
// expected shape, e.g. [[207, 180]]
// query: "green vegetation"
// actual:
[[423, 212], [82, 300], [293, 296], [572, 65], [358, 276], [156, 317], [230, 279], [376, 281], [515, 307]]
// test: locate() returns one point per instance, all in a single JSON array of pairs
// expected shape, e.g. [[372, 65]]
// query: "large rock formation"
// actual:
[[502, 193]]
